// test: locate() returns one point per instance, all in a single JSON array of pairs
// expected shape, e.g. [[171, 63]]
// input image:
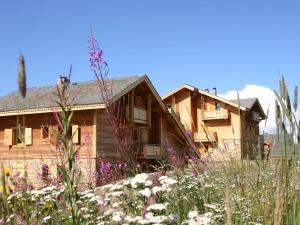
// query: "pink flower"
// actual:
[[88, 139], [95, 54]]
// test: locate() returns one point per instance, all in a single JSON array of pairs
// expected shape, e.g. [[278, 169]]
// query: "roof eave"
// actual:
[[49, 110]]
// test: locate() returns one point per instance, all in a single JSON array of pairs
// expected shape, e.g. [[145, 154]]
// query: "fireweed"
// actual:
[[110, 171], [99, 67], [176, 160]]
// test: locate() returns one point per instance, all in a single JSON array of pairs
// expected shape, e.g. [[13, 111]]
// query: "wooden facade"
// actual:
[[221, 128], [27, 135]]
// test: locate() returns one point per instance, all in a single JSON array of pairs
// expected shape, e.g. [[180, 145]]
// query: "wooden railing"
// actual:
[[152, 151], [202, 136], [139, 114], [214, 115]]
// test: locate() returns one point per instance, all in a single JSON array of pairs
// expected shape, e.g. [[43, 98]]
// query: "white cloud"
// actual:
[[266, 98]]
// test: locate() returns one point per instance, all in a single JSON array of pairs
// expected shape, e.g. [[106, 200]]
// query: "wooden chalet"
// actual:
[[224, 128], [26, 125]]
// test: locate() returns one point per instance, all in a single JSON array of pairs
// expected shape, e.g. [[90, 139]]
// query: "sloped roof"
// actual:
[[249, 103], [245, 102], [86, 93]]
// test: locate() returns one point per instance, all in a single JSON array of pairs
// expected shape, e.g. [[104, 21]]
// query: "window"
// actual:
[[218, 106], [45, 133], [18, 136]]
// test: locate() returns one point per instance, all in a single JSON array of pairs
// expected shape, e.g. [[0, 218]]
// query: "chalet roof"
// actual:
[[87, 93], [245, 104]]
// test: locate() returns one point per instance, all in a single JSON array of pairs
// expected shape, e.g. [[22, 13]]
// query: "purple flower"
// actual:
[[189, 133], [88, 139], [95, 53], [174, 158]]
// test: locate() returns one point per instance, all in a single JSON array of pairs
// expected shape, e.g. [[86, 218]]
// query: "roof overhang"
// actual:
[[49, 110]]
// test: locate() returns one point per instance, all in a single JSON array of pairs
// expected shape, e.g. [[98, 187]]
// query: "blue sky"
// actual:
[[227, 44]]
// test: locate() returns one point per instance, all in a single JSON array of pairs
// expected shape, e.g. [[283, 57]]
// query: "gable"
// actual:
[[244, 104], [203, 92]]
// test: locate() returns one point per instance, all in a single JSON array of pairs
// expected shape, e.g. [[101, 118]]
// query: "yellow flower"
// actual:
[[48, 205]]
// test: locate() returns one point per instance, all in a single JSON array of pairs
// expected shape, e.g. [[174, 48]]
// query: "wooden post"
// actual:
[[149, 110], [242, 147], [174, 103], [132, 107], [161, 132], [23, 121], [17, 125], [190, 111], [95, 133]]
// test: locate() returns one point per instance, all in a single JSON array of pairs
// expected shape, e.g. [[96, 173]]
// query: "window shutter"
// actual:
[[8, 137], [75, 134], [28, 136]]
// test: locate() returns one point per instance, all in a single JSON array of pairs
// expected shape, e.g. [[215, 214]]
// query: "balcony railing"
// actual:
[[202, 137], [152, 151], [139, 114], [215, 115]]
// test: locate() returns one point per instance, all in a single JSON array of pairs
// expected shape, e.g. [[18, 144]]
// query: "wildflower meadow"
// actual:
[[190, 189]]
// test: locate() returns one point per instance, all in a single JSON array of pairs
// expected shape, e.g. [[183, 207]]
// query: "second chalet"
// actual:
[[226, 129]]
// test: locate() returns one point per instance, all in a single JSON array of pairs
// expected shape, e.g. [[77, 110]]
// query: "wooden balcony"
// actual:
[[152, 151], [215, 115], [139, 114], [203, 137]]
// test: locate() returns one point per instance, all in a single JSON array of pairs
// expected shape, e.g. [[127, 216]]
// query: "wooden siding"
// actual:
[[106, 142], [182, 105], [231, 132], [40, 148], [170, 136]]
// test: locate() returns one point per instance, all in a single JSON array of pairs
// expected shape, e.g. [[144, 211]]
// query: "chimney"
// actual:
[[62, 80], [214, 90], [206, 89]]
